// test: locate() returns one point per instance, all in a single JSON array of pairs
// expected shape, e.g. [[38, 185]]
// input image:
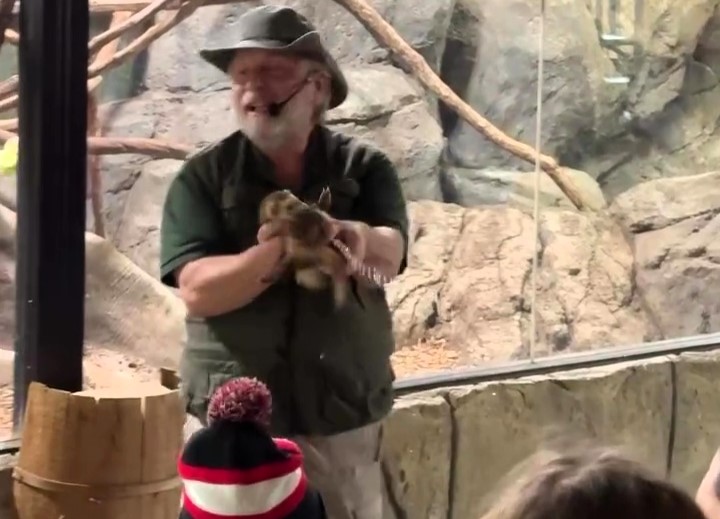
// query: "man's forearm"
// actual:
[[385, 249], [218, 284]]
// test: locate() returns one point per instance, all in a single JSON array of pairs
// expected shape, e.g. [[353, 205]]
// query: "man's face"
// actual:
[[263, 77]]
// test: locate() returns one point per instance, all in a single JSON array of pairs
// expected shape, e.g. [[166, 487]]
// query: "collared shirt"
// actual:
[[329, 370], [193, 227]]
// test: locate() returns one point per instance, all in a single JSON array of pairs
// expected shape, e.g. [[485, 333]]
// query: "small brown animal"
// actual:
[[309, 254], [279, 205]]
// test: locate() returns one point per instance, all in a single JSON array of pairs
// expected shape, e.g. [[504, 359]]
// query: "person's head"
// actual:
[[235, 468], [277, 55], [708, 493], [589, 482]]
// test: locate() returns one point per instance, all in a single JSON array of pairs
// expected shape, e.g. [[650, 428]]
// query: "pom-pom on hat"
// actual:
[[233, 469], [241, 400]]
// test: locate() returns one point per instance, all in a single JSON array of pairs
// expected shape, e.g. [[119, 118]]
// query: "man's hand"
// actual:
[[380, 247], [267, 231], [707, 494], [354, 235]]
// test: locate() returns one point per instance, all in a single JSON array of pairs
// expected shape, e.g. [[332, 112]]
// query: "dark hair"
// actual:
[[590, 482]]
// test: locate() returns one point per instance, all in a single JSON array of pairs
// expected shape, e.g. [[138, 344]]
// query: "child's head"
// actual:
[[235, 468], [590, 483]]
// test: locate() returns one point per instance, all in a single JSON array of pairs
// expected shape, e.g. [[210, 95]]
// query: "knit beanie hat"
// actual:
[[233, 468]]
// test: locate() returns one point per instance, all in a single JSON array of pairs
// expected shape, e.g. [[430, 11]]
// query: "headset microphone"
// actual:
[[274, 109]]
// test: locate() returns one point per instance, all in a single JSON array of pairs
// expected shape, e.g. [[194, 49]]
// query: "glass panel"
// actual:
[[628, 110], [630, 96], [121, 85], [8, 158], [632, 99]]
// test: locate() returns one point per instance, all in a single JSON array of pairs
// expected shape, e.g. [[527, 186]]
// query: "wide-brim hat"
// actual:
[[280, 29]]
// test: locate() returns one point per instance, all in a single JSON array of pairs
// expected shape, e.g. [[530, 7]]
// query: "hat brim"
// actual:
[[309, 46]]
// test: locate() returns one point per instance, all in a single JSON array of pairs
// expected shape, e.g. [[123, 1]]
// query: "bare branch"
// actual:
[[144, 40], [107, 51], [381, 30], [110, 6], [156, 148], [9, 124], [6, 11], [95, 128], [386, 35], [115, 31], [12, 37], [9, 103], [9, 86]]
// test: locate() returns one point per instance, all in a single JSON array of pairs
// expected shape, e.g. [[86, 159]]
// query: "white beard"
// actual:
[[272, 134], [269, 137]]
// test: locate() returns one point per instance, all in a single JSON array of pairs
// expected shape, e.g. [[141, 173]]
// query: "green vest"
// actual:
[[328, 369]]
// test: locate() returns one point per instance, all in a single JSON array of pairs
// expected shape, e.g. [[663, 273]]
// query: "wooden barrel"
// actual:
[[100, 454]]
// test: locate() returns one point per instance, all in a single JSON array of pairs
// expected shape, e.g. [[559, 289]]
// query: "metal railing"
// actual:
[[526, 368], [556, 363]]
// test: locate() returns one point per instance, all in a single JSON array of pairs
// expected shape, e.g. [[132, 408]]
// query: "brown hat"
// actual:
[[282, 29]]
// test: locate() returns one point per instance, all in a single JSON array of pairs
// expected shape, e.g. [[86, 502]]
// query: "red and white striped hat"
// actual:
[[233, 469]]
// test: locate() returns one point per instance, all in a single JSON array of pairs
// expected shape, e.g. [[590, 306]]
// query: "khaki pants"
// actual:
[[345, 468]]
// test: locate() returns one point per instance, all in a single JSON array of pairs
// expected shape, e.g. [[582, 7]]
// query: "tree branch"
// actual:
[[95, 190], [386, 35], [155, 148], [110, 6], [6, 11], [11, 36], [93, 170], [381, 30], [132, 21], [8, 89], [145, 39]]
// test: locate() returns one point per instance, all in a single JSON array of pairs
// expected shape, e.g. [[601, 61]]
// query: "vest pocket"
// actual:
[[200, 377], [206, 366], [355, 391]]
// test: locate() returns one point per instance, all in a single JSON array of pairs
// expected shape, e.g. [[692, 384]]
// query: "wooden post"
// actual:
[[52, 163]]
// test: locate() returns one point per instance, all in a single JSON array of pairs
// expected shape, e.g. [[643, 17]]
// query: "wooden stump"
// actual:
[[101, 454]]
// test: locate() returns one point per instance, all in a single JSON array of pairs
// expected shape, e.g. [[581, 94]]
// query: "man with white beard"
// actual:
[[328, 369]]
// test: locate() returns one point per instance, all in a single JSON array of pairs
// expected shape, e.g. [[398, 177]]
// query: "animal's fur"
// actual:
[[304, 228]]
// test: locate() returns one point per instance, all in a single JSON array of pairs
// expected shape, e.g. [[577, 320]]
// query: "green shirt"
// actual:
[[329, 370]]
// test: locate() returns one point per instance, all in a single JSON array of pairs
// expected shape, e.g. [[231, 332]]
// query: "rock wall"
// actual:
[[465, 439], [445, 451], [126, 310], [644, 269], [661, 124], [587, 405], [597, 287], [637, 270]]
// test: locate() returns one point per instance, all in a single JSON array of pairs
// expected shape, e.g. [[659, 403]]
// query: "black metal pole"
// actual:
[[50, 276]]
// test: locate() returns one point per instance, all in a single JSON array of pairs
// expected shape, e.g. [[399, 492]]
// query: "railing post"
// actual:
[[50, 272]]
